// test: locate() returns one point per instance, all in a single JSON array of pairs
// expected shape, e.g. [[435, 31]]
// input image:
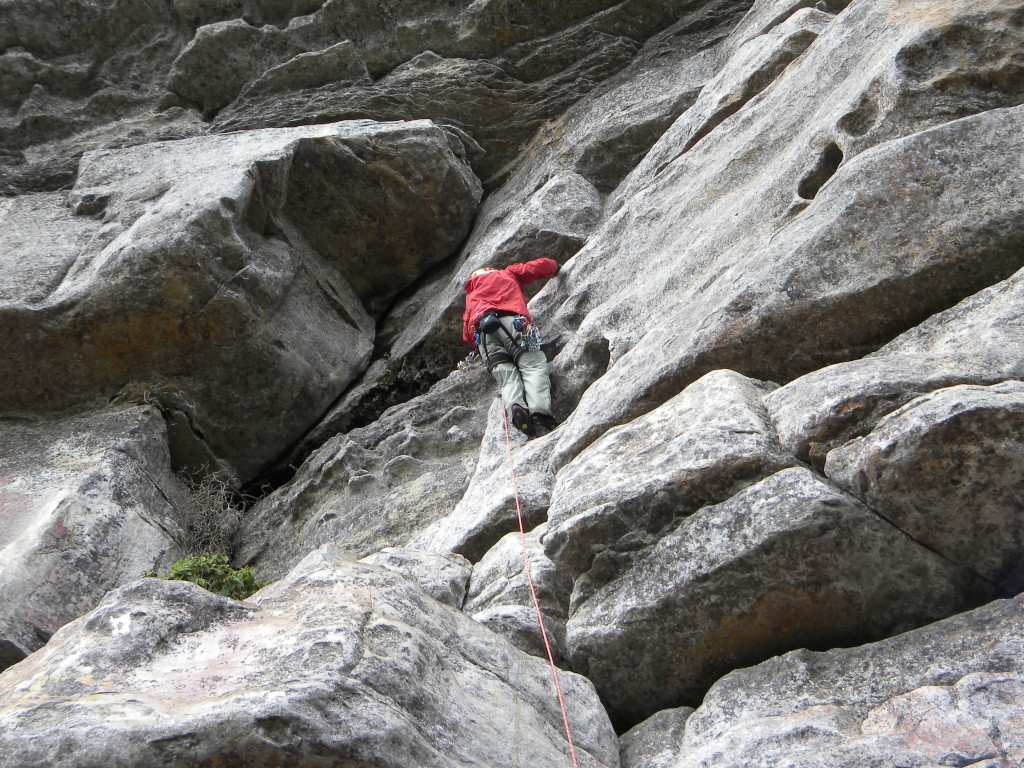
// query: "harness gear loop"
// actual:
[[533, 591]]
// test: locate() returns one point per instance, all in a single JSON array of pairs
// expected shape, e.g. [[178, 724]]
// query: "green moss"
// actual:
[[212, 571]]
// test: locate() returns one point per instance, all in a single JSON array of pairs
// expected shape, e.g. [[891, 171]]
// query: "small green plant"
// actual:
[[212, 571]]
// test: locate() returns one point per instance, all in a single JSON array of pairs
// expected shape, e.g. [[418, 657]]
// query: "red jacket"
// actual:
[[501, 291]]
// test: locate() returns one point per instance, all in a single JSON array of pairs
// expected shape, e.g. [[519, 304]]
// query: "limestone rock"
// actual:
[[948, 468], [790, 562], [378, 486], [236, 295], [487, 510], [423, 333], [630, 487], [947, 694], [655, 743], [339, 663], [499, 595], [87, 504], [978, 341], [497, 76], [777, 244], [444, 577]]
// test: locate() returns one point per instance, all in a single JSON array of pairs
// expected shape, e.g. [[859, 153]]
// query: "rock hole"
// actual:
[[826, 168], [859, 120]]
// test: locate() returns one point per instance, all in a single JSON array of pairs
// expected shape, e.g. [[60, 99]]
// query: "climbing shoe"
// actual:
[[521, 420], [543, 422]]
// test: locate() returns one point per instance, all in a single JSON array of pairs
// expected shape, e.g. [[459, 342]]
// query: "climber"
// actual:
[[497, 324]]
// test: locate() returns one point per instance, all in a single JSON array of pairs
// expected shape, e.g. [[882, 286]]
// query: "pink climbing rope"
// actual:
[[533, 592]]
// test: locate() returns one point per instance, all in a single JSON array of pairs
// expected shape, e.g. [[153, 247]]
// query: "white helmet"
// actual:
[[483, 271]]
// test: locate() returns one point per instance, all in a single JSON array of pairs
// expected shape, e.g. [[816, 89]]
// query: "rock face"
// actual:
[[198, 292], [629, 488], [793, 252], [356, 665], [87, 503], [499, 595], [378, 486], [947, 694], [785, 344], [948, 468], [802, 565]]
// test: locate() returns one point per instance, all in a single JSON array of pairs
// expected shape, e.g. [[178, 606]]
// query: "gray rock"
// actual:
[[499, 595], [948, 468], [774, 272], [87, 504], [444, 577], [338, 64], [377, 486], [472, 66], [199, 291], [339, 663], [750, 68], [423, 333], [487, 510], [978, 341], [947, 694], [655, 743], [790, 562], [629, 488]]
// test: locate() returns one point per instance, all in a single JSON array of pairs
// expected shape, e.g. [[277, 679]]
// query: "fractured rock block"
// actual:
[[950, 693], [499, 594], [338, 664], [87, 503], [624, 492], [790, 562], [948, 468], [231, 278]]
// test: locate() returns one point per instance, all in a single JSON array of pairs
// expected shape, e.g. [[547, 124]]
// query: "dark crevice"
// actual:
[[829, 162]]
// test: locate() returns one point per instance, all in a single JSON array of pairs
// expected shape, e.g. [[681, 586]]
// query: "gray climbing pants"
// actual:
[[524, 381]]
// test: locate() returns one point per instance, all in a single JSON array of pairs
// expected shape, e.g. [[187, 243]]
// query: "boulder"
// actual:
[[87, 504], [443, 577], [950, 693], [948, 469], [631, 487], [790, 562], [487, 510], [978, 341], [499, 595], [780, 242], [377, 486], [239, 295], [655, 743], [340, 663]]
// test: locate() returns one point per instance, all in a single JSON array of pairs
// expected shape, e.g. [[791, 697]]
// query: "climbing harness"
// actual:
[[527, 337], [533, 591]]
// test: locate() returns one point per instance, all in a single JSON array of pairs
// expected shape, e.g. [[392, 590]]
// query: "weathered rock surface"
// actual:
[[753, 262], [377, 486], [340, 663], [444, 577], [423, 333], [628, 489], [87, 503], [948, 468], [496, 73], [656, 742], [948, 694], [487, 511], [978, 341], [789, 562], [238, 294], [499, 594]]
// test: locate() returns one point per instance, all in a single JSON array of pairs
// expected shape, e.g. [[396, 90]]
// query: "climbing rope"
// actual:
[[533, 591]]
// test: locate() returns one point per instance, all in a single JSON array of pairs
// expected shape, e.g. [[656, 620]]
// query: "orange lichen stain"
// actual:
[[779, 621]]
